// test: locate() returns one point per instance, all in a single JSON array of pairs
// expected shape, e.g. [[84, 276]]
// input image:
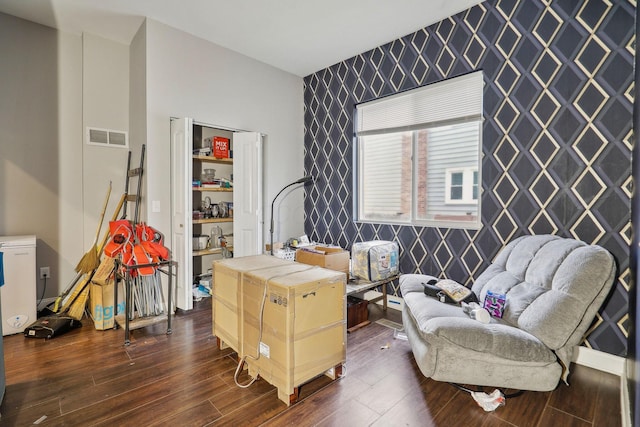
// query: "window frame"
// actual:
[[445, 220], [467, 186]]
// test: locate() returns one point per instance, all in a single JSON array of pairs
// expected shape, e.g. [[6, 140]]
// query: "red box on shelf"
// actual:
[[220, 147]]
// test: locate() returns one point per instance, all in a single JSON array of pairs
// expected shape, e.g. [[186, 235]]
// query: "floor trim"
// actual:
[[599, 360], [625, 402]]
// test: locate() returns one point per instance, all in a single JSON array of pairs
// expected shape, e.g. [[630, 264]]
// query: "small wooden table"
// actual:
[[356, 285]]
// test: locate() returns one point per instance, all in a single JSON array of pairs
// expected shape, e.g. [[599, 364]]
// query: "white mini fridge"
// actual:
[[18, 300]]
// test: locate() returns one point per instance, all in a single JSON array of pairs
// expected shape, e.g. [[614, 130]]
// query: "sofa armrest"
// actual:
[[413, 282]]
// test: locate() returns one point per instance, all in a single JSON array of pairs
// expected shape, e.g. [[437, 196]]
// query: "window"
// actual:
[[461, 186], [417, 156]]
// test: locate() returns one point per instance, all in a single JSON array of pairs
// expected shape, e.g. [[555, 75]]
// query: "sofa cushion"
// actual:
[[446, 324], [550, 284]]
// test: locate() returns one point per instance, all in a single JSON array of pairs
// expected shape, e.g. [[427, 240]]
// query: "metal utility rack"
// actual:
[[166, 267]]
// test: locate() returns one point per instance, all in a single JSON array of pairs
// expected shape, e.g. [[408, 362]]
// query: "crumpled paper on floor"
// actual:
[[489, 402]]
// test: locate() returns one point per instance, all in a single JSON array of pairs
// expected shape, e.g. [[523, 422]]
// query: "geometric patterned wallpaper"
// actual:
[[557, 136]]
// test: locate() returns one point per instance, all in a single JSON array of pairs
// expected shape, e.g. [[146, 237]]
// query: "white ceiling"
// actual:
[[298, 36]]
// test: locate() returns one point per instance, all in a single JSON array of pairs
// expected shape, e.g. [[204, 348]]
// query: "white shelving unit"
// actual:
[[243, 170], [202, 259]]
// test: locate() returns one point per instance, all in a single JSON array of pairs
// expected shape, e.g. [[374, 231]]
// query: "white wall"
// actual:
[[41, 143], [105, 105], [189, 77], [138, 107], [53, 185], [69, 199]]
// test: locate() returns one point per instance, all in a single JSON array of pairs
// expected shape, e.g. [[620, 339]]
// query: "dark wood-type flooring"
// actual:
[[89, 378]]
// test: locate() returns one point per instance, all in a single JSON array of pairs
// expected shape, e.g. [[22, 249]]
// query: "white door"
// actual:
[[247, 194], [181, 209]]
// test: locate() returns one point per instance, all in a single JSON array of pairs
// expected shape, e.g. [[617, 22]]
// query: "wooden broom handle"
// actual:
[[113, 218]]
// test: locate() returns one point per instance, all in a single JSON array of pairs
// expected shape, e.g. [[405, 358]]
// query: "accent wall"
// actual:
[[557, 136]]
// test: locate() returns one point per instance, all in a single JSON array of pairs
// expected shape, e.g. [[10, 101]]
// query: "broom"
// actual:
[[77, 301], [57, 304], [91, 260], [76, 311]]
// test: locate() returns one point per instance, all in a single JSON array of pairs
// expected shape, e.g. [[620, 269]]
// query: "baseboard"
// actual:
[[612, 364], [599, 360], [625, 403]]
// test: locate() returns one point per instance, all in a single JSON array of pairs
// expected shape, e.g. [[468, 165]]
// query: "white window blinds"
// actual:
[[443, 103]]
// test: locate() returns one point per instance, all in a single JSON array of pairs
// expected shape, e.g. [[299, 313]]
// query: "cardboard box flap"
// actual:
[[332, 258]]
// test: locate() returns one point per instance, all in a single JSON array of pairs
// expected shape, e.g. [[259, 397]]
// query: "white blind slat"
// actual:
[[443, 101]]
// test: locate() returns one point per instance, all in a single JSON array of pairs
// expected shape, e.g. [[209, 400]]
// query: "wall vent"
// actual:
[[107, 138]]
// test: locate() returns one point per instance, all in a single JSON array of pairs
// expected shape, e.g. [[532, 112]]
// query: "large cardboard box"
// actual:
[[226, 293], [101, 300], [323, 256], [294, 326]]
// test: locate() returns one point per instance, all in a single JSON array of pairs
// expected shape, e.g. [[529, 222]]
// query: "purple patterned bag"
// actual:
[[494, 303]]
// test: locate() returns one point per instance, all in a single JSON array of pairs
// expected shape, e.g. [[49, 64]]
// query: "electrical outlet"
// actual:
[[45, 273]]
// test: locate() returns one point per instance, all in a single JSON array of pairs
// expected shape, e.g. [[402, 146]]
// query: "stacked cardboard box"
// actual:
[[287, 319], [226, 294], [300, 332]]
